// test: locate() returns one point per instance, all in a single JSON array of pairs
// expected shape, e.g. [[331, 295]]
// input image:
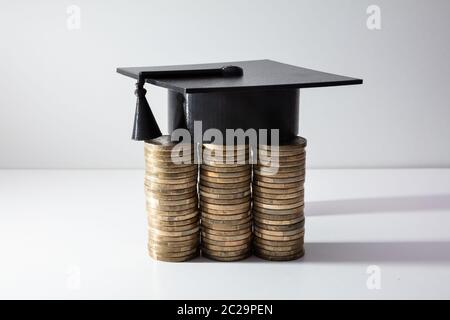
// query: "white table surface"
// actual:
[[82, 234]]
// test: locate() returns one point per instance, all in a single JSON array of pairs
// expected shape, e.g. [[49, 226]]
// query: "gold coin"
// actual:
[[150, 169], [173, 220], [151, 180], [174, 158], [155, 242], [225, 254], [171, 213], [227, 207], [245, 236], [278, 222], [155, 202], [271, 243], [222, 202], [224, 153], [247, 217], [279, 238], [282, 152], [173, 225], [171, 197], [170, 192], [163, 142], [279, 233], [152, 165], [274, 169], [232, 251], [175, 175], [226, 150], [242, 159], [279, 180], [297, 247], [225, 175], [160, 238], [233, 199], [175, 228], [192, 205], [282, 160], [170, 162], [225, 146], [278, 165], [224, 185], [178, 152], [163, 249], [181, 148], [294, 205], [278, 253], [245, 228], [278, 185], [246, 179], [157, 232], [175, 244], [180, 259], [175, 260], [226, 226], [268, 192], [279, 174], [261, 197], [168, 188], [283, 258], [171, 250], [161, 224], [231, 169], [276, 174], [224, 217], [226, 243], [281, 255], [177, 165], [172, 255], [290, 227], [222, 191], [278, 152], [278, 217], [209, 246], [224, 212], [223, 163], [227, 259], [217, 196], [171, 200], [272, 201], [277, 212], [296, 143], [225, 158]]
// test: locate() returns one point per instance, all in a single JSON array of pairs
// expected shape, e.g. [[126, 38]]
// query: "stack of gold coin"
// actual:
[[225, 202], [278, 201], [171, 199]]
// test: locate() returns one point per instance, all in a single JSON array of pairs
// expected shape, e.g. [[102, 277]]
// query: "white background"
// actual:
[[62, 105], [82, 233]]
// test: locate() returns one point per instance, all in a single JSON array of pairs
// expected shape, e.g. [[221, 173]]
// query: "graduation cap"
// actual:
[[260, 94]]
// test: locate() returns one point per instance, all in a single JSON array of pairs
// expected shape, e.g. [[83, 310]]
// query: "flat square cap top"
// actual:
[[257, 75]]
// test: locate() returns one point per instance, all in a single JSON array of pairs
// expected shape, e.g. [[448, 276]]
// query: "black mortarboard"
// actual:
[[261, 94]]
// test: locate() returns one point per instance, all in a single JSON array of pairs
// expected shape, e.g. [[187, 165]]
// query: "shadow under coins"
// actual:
[[373, 205]]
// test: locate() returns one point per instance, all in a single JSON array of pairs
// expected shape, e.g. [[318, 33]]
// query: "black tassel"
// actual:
[[145, 126]]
